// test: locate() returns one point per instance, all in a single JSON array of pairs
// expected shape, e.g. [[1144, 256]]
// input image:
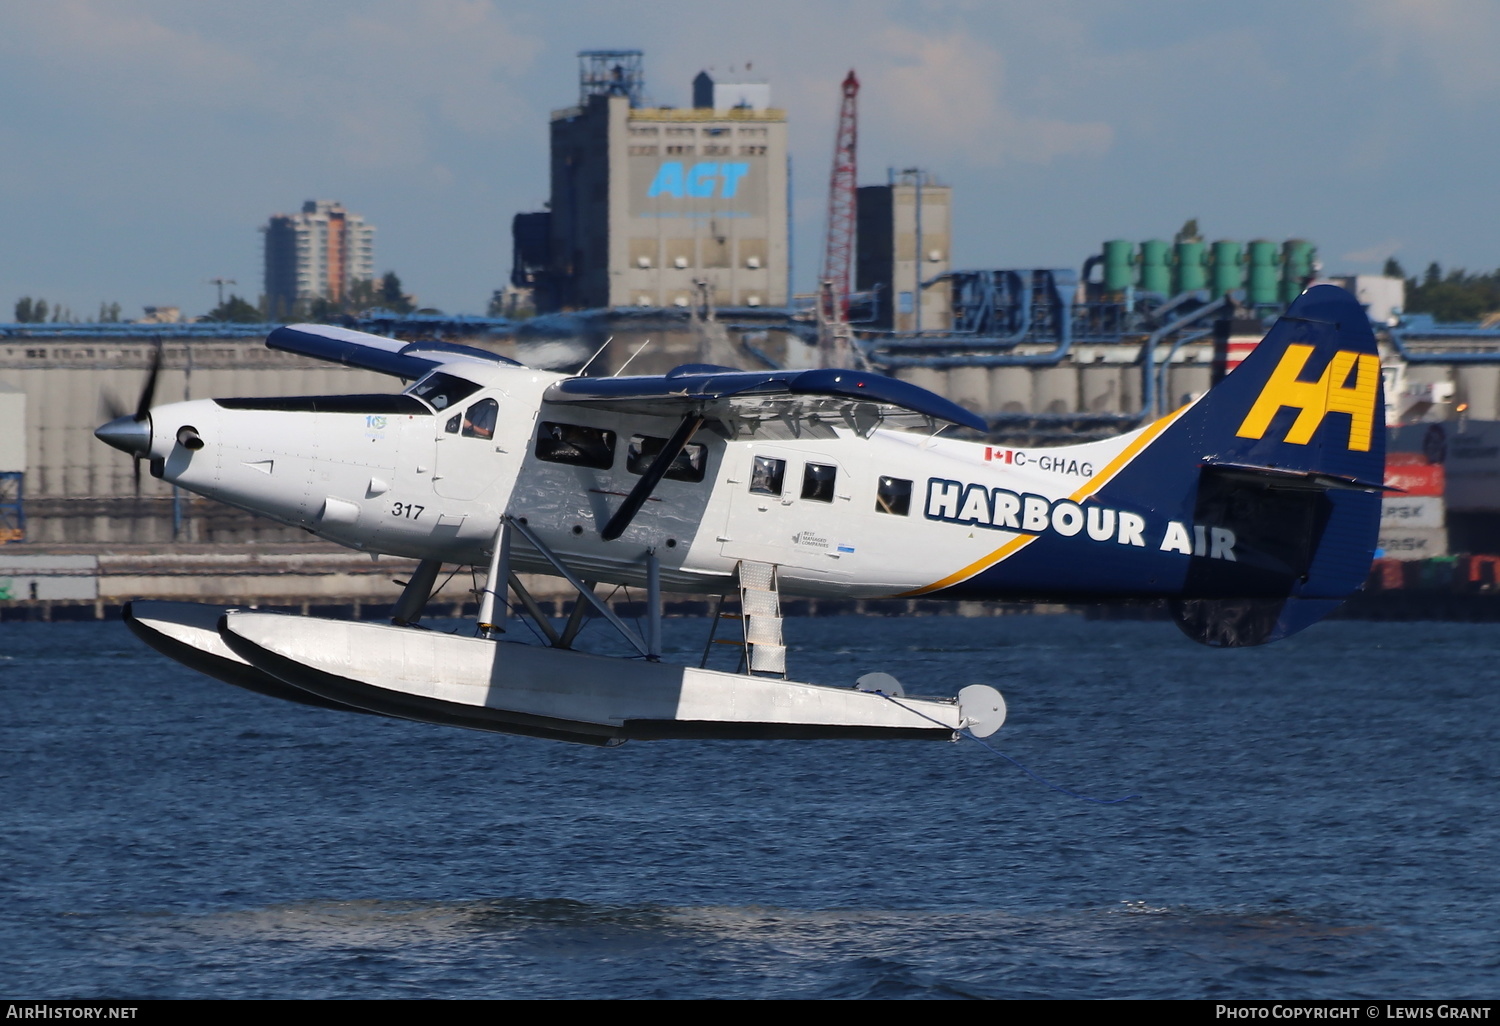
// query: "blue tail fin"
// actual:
[[1290, 455], [1308, 399]]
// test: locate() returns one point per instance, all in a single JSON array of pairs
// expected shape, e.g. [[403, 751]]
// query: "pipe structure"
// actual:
[[1165, 367], [1147, 356], [1402, 333], [1147, 359]]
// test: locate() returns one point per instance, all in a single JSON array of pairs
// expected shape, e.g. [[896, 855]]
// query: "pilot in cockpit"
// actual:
[[479, 419]]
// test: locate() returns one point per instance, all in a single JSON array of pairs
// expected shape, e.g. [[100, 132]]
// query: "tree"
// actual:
[[23, 310], [363, 296], [321, 311], [234, 310], [391, 296], [1393, 269], [1189, 232], [1453, 298]]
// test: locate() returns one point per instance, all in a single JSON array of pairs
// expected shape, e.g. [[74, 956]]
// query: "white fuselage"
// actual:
[[886, 513]]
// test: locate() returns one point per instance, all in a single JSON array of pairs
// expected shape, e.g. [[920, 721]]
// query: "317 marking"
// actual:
[[409, 510]]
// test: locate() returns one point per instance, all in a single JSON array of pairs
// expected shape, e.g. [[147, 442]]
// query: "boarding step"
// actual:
[[760, 608]]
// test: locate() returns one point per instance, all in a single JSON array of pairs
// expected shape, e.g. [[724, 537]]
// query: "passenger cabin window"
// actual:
[[817, 482], [479, 421], [689, 465], [441, 391], [576, 445], [893, 496], [767, 476]]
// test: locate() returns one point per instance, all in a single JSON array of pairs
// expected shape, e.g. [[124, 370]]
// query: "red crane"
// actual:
[[839, 253]]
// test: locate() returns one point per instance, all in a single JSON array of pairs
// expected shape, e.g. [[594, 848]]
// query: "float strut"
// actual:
[[499, 574], [575, 620], [653, 606], [578, 585], [418, 590]]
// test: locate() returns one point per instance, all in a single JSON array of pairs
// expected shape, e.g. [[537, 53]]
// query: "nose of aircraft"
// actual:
[[128, 434]]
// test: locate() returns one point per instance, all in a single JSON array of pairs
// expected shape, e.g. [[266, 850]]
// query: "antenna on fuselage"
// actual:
[[633, 355], [596, 355]]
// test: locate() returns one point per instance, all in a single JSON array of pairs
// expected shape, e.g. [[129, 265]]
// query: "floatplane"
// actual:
[[1253, 510]]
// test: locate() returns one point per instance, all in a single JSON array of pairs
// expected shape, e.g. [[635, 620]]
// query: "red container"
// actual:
[[1484, 571], [1386, 574], [1415, 478]]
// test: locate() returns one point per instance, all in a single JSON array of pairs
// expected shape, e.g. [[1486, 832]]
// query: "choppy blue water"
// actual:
[[1317, 819]]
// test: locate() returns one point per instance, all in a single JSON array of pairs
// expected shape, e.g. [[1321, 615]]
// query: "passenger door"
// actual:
[[791, 508]]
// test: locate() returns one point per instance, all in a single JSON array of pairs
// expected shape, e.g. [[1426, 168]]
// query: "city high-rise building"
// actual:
[[316, 254], [647, 202]]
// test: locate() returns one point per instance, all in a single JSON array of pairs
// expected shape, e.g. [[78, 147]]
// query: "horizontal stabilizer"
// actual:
[[860, 399], [383, 355], [1296, 478]]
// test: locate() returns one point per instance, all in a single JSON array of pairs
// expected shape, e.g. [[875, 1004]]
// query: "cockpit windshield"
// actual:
[[441, 391]]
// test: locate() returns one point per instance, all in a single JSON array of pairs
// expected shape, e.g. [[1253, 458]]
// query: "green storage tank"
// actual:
[[1261, 289], [1119, 265], [1297, 259], [1189, 268], [1226, 267], [1156, 268]]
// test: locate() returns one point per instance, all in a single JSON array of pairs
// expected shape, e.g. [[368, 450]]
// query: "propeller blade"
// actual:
[[110, 406], [135, 474], [148, 393]]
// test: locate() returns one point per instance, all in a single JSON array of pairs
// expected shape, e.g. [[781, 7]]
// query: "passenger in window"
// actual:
[[767, 476], [689, 465], [576, 444], [893, 496], [817, 482]]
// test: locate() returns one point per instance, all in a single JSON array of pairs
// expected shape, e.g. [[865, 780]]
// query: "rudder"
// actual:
[[1290, 449]]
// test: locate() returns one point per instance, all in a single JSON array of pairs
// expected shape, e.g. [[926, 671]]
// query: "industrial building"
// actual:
[[653, 206], [904, 233], [315, 254]]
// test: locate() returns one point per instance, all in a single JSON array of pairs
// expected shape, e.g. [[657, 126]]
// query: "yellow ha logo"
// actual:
[[1314, 400]]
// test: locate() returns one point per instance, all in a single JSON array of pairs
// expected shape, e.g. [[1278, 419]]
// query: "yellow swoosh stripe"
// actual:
[[1089, 487]]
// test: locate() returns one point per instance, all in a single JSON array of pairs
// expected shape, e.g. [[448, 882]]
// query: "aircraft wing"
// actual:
[[392, 356], [825, 395]]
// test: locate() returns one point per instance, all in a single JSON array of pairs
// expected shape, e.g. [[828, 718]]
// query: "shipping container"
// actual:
[[1401, 512], [1415, 479], [1408, 543]]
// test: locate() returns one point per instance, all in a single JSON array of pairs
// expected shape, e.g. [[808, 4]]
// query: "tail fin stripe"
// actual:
[[1092, 485]]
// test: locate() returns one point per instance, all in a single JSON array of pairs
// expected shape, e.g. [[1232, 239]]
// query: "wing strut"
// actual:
[[652, 477]]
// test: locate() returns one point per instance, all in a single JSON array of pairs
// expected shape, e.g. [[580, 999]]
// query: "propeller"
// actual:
[[131, 432]]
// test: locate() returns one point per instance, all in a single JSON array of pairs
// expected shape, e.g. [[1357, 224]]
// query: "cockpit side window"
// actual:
[[767, 476], [893, 496], [817, 482], [441, 391], [479, 421], [577, 444]]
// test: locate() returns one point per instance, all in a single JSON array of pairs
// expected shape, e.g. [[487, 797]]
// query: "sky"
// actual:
[[145, 142]]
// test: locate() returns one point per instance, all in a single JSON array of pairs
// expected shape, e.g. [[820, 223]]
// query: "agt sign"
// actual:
[[702, 181]]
